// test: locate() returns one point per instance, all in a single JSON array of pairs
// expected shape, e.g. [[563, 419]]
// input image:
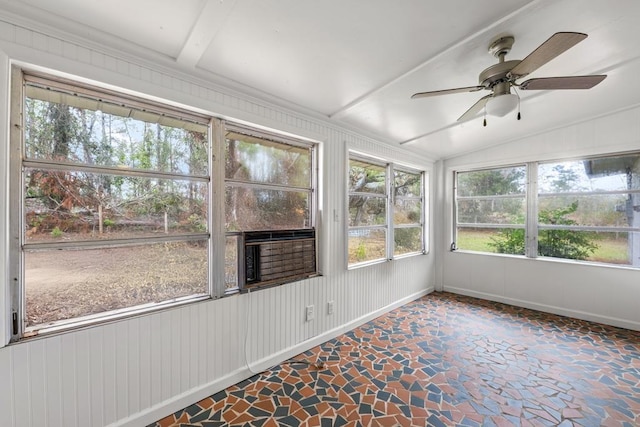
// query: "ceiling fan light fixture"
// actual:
[[502, 105]]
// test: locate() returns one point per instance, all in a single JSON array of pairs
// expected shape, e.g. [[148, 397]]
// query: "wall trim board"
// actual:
[[192, 396], [546, 308]]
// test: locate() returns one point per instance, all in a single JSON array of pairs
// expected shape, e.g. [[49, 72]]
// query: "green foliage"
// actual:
[[407, 239], [197, 223], [108, 222], [569, 244], [491, 182], [361, 252], [56, 232], [564, 243], [509, 241]]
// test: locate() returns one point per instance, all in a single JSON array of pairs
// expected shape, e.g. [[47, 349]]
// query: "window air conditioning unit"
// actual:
[[277, 256]]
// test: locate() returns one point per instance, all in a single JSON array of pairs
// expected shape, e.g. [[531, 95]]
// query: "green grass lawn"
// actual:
[[611, 250], [475, 240]]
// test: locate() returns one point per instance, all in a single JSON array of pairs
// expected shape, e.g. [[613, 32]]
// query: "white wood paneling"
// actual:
[[134, 371]]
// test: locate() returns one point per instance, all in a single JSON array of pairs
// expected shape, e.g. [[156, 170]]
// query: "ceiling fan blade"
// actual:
[[446, 91], [475, 108], [554, 46], [569, 82]]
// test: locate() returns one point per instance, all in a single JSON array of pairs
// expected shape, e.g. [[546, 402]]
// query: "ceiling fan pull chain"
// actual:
[[518, 95]]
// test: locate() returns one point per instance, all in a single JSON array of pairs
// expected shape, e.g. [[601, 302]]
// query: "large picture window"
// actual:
[[490, 203], [112, 204], [386, 211], [590, 209], [585, 209]]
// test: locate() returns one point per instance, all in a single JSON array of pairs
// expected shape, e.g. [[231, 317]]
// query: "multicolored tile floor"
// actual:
[[444, 360]]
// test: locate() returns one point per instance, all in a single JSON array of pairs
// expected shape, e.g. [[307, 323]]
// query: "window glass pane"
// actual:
[[81, 134], [603, 174], [252, 159], [366, 178], [367, 245], [65, 284], [497, 240], [609, 247], [407, 240], [231, 262], [367, 210], [492, 211], [492, 182], [602, 210], [407, 184], [407, 211], [70, 205], [475, 239], [266, 209]]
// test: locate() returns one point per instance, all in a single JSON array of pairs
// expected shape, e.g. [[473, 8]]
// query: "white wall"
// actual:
[[593, 292], [135, 371]]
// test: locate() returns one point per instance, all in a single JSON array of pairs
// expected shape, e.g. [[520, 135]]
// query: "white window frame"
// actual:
[[312, 190], [18, 245], [532, 195], [525, 196], [388, 196], [423, 205]]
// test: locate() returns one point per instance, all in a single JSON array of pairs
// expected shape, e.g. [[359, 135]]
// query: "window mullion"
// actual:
[[390, 210], [17, 312], [217, 248], [531, 220]]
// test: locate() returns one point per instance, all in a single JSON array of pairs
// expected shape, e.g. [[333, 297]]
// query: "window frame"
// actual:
[[421, 224], [312, 190], [389, 199], [165, 114], [525, 196], [532, 225]]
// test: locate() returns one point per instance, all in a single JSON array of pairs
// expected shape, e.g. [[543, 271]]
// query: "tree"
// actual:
[[364, 209], [478, 187], [568, 244]]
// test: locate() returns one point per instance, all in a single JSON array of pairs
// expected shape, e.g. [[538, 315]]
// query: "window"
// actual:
[[269, 186], [585, 209], [489, 203], [408, 212], [269, 183], [590, 209], [112, 204], [372, 187]]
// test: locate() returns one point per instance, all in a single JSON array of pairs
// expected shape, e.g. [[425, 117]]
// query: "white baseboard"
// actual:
[[192, 396], [561, 311]]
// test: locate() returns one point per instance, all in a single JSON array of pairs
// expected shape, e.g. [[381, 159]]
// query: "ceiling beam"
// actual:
[[211, 19], [346, 108]]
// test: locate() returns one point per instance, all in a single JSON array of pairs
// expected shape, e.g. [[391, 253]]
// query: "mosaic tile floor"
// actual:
[[444, 360]]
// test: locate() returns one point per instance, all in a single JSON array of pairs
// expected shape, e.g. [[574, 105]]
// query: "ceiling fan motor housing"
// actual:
[[497, 73]]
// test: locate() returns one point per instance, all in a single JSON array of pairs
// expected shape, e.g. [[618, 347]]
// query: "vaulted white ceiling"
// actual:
[[357, 62]]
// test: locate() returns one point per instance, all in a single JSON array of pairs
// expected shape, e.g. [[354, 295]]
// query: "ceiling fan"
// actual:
[[501, 77]]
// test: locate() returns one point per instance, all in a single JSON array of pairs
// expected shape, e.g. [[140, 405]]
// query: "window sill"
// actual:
[[70, 325]]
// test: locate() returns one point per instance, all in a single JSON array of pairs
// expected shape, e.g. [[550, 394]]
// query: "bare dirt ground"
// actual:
[[66, 284]]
